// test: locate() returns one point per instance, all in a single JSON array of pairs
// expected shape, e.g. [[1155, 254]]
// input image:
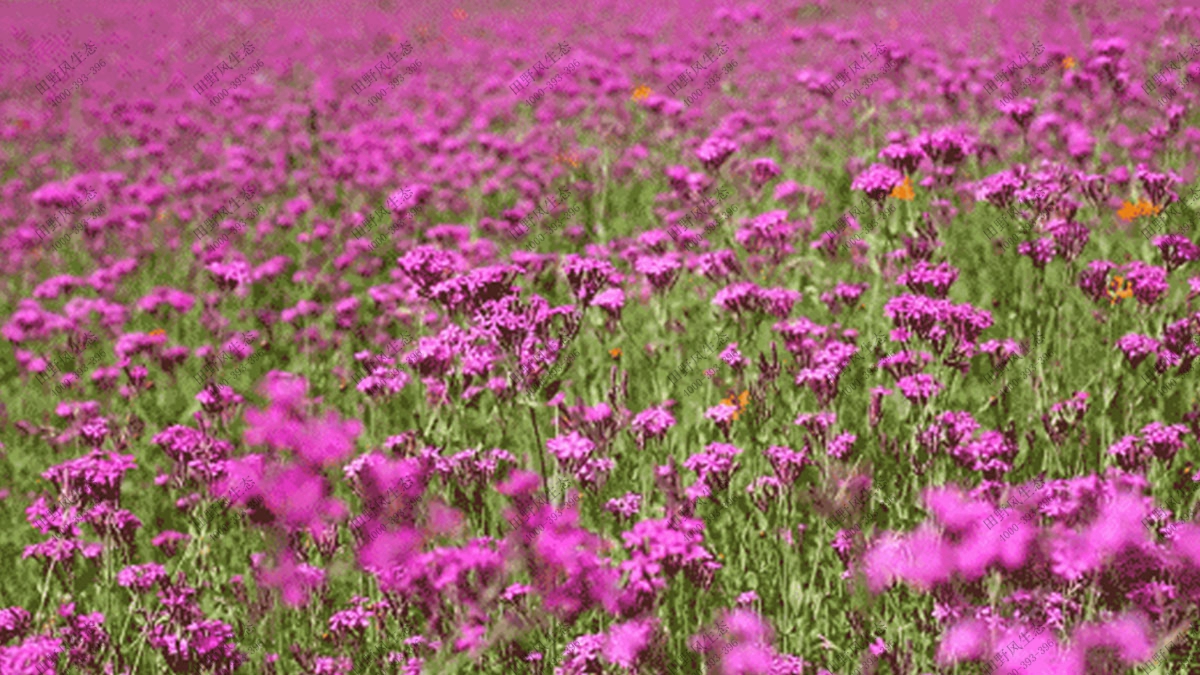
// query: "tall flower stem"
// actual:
[[45, 590], [541, 453]]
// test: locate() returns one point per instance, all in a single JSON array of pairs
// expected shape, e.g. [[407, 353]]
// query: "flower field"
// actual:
[[749, 338]]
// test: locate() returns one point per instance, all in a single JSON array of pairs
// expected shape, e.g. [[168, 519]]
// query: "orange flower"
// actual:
[[1127, 212], [739, 403], [615, 352], [1119, 289], [904, 191], [1142, 208]]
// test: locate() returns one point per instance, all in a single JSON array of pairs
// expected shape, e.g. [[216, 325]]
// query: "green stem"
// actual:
[[45, 591], [541, 453]]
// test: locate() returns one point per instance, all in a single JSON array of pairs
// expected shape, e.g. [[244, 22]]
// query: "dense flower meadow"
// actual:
[[730, 338]]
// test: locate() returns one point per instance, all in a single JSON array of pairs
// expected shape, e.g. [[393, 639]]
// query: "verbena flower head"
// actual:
[[651, 423], [947, 146], [714, 151], [715, 466], [764, 169], [1176, 250], [572, 450], [142, 578], [840, 447], [877, 181], [14, 622], [938, 279], [902, 156], [1136, 347], [787, 463], [919, 389]]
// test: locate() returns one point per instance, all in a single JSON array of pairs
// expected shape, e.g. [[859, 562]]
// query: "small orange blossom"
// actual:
[[904, 190], [739, 403], [1142, 208], [1119, 289]]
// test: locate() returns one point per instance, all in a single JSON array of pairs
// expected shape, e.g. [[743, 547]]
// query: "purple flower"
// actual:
[[625, 507], [1069, 237], [351, 622], [571, 450], [651, 423], [1164, 441], [733, 358], [714, 151], [787, 463], [1149, 283], [428, 266], [877, 181], [626, 641], [992, 454], [767, 231], [778, 302], [1021, 111], [1094, 280], [822, 380], [843, 293], [1155, 184], [747, 598], [660, 270], [740, 298], [902, 156], [998, 189], [840, 447], [764, 491], [98, 474], [745, 650], [611, 300], [715, 466], [583, 655], [142, 578], [203, 645], [934, 319], [939, 278], [949, 432], [765, 169], [903, 364], [875, 410], [1039, 251], [587, 276], [919, 389], [817, 425], [946, 146], [14, 622], [169, 541], [718, 265], [35, 656], [1131, 455], [1137, 347], [1176, 250]]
